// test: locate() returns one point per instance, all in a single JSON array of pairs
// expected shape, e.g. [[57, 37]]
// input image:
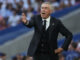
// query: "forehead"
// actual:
[[45, 5]]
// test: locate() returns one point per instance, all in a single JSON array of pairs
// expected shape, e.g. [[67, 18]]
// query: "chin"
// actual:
[[43, 17]]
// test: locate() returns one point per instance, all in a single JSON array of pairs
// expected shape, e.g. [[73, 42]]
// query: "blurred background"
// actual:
[[15, 37]]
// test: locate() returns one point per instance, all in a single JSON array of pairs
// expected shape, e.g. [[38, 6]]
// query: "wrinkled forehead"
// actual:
[[45, 5]]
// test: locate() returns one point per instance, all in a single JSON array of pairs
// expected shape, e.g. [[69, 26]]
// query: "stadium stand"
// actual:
[[76, 37], [13, 32], [65, 11]]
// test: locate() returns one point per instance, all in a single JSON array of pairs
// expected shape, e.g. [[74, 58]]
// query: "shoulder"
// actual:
[[56, 20]]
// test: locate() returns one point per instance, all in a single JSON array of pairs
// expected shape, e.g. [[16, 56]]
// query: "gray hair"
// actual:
[[51, 7]]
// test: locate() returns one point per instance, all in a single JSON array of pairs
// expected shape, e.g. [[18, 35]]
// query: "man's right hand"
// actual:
[[24, 20], [29, 58]]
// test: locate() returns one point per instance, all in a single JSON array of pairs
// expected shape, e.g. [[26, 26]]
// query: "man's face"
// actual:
[[45, 11]]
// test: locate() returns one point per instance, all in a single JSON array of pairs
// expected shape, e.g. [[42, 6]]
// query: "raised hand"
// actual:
[[24, 20]]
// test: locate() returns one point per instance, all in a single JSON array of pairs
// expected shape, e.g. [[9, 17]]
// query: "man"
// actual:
[[73, 53], [44, 42]]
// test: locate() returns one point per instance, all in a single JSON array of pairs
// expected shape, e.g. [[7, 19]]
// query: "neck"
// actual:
[[46, 17]]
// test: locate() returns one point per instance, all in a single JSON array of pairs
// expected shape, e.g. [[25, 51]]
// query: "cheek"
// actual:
[[48, 12], [41, 10]]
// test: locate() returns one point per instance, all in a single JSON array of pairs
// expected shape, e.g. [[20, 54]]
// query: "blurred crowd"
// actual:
[[11, 10], [73, 53], [10, 16]]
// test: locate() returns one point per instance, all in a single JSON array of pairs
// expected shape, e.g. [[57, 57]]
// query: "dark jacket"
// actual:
[[55, 28]]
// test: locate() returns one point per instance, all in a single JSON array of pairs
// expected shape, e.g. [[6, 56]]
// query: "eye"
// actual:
[[46, 7]]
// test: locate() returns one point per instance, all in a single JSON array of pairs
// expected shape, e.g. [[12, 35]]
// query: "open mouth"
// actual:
[[43, 13]]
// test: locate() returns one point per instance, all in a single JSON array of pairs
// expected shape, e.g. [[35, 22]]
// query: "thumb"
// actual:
[[23, 16]]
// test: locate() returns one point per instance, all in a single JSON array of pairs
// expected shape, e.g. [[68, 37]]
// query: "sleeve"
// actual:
[[30, 23], [68, 35]]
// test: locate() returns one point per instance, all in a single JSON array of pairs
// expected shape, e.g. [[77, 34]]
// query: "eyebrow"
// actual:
[[45, 7]]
